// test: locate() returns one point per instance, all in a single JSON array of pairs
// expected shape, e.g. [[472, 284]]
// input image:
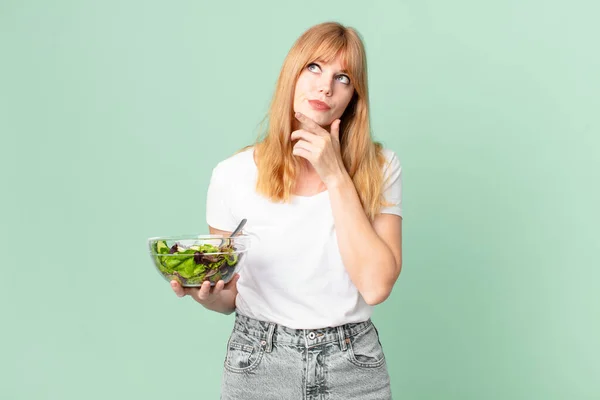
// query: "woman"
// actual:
[[325, 201]]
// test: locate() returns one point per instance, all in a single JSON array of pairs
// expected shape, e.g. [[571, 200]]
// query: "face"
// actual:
[[323, 91]]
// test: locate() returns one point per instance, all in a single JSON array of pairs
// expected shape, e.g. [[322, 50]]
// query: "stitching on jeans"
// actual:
[[353, 360], [244, 347], [249, 368], [255, 333]]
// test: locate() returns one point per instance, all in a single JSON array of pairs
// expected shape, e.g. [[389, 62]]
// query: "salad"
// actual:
[[192, 265]]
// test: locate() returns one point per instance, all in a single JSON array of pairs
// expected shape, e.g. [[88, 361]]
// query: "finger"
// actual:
[[311, 124], [304, 147], [233, 281], [204, 291], [302, 152], [335, 129], [306, 135], [177, 288], [218, 287]]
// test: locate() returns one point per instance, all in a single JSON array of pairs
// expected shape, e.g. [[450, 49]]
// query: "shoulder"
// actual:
[[389, 154], [241, 161], [392, 162]]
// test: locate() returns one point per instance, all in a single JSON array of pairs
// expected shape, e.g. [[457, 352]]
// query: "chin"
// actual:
[[321, 118]]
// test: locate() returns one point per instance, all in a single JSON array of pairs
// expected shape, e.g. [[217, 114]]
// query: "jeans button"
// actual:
[[311, 335]]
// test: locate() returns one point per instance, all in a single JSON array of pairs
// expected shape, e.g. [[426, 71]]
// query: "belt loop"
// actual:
[[342, 337], [270, 337]]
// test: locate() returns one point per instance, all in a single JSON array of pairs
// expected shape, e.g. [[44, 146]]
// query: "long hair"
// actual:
[[362, 157]]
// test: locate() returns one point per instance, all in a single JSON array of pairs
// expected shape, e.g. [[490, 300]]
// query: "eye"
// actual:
[[344, 79], [313, 67]]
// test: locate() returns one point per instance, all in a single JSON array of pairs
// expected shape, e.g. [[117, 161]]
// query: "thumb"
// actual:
[[233, 281], [335, 129]]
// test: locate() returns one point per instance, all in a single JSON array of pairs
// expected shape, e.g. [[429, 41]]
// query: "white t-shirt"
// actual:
[[294, 274]]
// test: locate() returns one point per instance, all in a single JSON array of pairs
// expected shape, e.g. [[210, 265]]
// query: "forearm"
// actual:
[[369, 261]]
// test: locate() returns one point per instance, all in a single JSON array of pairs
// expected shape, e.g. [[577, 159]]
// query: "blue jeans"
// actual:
[[267, 361]]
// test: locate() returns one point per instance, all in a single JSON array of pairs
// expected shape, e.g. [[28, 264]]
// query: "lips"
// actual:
[[319, 105]]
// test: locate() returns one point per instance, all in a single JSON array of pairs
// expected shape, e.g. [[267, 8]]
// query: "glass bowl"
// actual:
[[193, 259]]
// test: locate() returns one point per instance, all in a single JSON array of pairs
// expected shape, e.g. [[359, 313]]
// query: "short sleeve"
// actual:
[[392, 185], [218, 210]]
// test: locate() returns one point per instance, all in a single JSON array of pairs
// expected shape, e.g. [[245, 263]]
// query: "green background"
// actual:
[[113, 113]]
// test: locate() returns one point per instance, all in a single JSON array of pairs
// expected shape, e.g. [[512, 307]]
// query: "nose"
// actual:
[[326, 86]]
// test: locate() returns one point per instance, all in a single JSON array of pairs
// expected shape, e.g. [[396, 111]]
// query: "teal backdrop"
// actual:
[[113, 113]]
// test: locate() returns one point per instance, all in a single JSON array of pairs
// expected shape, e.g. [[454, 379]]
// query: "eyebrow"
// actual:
[[342, 71]]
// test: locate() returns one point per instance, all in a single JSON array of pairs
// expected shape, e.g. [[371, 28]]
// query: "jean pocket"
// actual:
[[365, 350], [244, 352]]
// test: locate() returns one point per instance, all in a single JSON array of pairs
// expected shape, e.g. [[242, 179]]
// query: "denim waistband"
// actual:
[[270, 332]]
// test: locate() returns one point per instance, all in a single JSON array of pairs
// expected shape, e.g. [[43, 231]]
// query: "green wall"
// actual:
[[113, 113]]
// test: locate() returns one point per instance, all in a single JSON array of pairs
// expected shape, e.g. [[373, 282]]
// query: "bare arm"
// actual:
[[372, 253]]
